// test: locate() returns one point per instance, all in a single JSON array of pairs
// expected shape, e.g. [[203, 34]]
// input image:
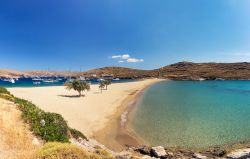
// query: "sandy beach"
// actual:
[[87, 114]]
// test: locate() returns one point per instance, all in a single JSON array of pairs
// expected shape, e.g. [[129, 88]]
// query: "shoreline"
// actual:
[[87, 114], [117, 134]]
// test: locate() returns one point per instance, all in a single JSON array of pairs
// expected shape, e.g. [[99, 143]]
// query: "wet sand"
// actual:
[[117, 133]]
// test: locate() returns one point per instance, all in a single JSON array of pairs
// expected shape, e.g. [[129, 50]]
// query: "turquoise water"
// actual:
[[193, 114]]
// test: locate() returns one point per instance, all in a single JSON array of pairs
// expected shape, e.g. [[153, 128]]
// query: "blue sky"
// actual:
[[85, 34]]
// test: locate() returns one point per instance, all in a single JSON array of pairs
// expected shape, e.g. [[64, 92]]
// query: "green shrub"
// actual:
[[5, 94], [30, 112], [76, 134], [4, 91], [55, 127], [7, 97], [48, 126]]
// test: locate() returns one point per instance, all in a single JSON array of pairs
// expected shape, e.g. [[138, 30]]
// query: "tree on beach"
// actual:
[[101, 85], [106, 83], [78, 86]]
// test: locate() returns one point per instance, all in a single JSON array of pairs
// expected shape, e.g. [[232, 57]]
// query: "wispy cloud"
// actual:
[[134, 60], [126, 58], [116, 56]]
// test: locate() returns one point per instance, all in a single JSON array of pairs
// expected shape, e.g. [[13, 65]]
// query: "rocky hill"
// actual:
[[50, 73], [177, 71], [181, 71], [7, 73], [209, 71], [120, 72], [11, 73]]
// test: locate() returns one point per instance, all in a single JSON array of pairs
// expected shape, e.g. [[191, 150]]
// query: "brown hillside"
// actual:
[[120, 72], [11, 73], [194, 71], [50, 73], [178, 71]]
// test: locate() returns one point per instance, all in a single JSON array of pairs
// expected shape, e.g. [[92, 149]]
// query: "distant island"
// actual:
[[178, 71]]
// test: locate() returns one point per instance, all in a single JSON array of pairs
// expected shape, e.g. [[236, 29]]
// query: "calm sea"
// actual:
[[28, 82], [193, 114]]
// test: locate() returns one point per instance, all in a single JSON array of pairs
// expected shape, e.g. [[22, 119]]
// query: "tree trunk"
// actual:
[[80, 94]]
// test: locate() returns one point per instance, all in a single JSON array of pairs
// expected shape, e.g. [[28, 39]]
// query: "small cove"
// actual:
[[193, 114]]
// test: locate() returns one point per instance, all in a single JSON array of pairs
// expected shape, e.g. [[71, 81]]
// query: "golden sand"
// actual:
[[87, 114]]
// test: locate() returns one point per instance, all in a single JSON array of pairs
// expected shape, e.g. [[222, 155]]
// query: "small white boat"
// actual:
[[82, 78], [5, 79], [36, 82], [116, 79], [50, 81], [220, 79], [37, 79], [11, 80], [70, 80], [100, 79]]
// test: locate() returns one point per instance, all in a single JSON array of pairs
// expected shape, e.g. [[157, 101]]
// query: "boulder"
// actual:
[[143, 150], [216, 152], [241, 153], [147, 157], [159, 152], [199, 156], [187, 153], [170, 154], [219, 152]]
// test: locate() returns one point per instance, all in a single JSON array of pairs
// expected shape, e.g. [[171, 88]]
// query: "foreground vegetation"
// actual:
[[47, 126], [56, 150], [53, 129], [104, 84], [16, 140], [78, 86]]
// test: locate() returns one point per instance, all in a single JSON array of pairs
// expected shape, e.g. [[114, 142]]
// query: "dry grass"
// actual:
[[56, 150], [15, 137]]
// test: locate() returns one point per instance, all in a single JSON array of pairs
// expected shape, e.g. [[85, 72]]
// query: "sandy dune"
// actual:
[[87, 114]]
